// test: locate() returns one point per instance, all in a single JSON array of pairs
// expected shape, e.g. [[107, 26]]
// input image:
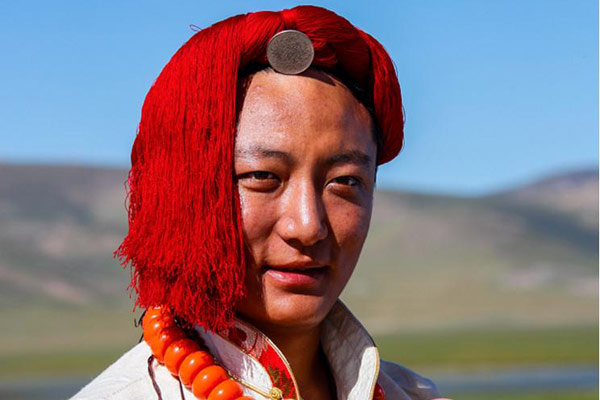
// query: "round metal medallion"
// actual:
[[290, 52]]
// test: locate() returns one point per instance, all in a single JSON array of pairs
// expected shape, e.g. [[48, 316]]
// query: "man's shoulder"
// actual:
[[398, 381], [126, 378]]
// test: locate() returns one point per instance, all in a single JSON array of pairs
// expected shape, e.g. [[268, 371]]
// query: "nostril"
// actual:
[[303, 215], [306, 232]]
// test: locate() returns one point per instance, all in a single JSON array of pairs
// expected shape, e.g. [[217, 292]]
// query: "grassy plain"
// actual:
[[497, 349], [39, 344], [521, 266], [487, 348], [72, 343]]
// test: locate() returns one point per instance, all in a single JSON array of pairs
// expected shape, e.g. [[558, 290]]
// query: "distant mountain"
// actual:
[[60, 225], [575, 193], [527, 255]]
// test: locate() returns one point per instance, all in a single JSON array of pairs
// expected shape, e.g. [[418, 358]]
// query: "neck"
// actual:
[[302, 349]]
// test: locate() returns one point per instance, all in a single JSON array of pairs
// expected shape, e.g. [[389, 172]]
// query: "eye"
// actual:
[[260, 175], [259, 180], [347, 181]]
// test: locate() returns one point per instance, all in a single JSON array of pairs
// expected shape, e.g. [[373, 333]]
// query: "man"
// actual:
[[251, 194]]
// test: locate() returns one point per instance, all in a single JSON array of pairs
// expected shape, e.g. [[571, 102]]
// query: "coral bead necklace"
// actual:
[[187, 360], [192, 364]]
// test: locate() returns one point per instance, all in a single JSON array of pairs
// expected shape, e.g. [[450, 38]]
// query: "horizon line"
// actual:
[[390, 186]]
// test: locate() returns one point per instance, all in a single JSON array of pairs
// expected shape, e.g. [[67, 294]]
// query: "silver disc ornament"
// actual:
[[290, 52]]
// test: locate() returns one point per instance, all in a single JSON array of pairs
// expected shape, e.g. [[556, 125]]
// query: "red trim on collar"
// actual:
[[259, 346]]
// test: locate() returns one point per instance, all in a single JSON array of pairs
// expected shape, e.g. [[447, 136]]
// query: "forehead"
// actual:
[[282, 109]]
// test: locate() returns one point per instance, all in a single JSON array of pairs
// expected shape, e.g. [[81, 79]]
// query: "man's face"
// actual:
[[305, 166]]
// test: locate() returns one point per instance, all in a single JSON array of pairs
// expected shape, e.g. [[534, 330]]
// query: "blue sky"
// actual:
[[496, 93]]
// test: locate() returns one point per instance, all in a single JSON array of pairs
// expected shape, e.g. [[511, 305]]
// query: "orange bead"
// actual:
[[206, 380], [379, 394], [160, 342], [152, 319], [155, 327], [193, 364], [226, 390], [156, 312], [177, 351], [244, 398]]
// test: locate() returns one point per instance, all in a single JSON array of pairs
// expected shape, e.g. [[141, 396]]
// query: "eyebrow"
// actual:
[[351, 157], [257, 151]]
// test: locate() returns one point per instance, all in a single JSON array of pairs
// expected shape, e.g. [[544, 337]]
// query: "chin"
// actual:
[[289, 310]]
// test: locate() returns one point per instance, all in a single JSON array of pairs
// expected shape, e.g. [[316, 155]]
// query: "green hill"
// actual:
[[523, 257], [434, 261]]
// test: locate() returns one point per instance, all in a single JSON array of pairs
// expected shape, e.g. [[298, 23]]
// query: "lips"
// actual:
[[295, 277]]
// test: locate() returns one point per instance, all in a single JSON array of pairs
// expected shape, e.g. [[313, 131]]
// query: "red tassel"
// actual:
[[185, 242]]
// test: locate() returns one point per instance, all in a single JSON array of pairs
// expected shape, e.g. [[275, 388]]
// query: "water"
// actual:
[[530, 379], [522, 380], [48, 389]]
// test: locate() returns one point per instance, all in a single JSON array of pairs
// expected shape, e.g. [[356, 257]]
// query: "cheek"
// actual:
[[257, 220], [350, 225]]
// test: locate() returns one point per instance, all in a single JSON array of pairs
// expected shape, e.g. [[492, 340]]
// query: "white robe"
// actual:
[[252, 358]]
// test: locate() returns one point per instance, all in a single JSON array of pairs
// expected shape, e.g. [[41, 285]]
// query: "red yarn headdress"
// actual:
[[185, 241]]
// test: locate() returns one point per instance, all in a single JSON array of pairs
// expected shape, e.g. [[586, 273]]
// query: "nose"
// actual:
[[303, 216]]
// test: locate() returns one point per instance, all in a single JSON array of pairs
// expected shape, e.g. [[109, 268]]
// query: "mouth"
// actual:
[[305, 277]]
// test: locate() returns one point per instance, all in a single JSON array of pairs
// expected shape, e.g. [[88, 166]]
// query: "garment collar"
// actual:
[[254, 360]]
